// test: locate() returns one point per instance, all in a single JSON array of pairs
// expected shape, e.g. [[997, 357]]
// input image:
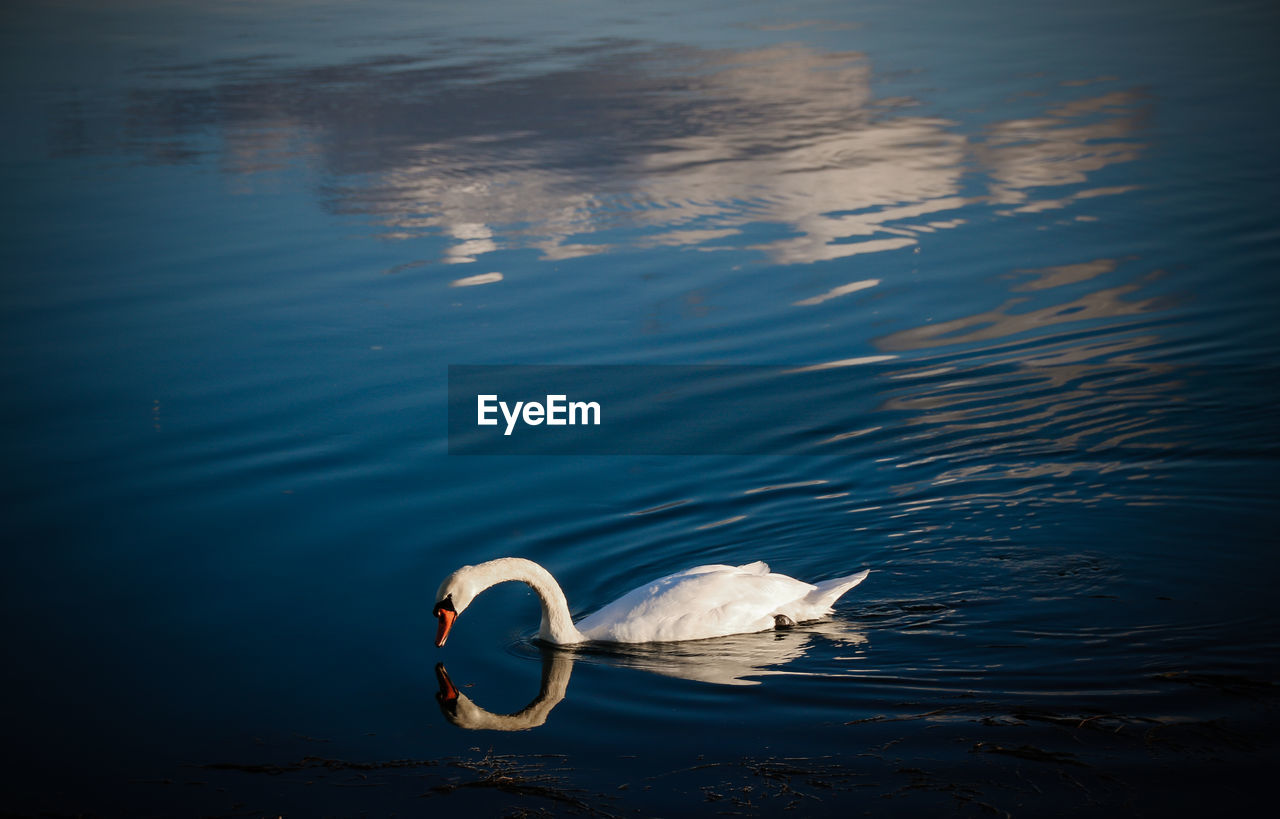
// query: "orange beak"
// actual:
[[447, 617]]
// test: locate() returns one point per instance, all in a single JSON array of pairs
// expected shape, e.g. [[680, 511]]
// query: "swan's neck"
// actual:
[[557, 624]]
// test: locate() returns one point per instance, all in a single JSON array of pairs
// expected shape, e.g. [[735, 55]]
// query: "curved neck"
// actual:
[[557, 624]]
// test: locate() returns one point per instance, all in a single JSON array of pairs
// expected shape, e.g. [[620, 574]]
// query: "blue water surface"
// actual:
[[1037, 245]]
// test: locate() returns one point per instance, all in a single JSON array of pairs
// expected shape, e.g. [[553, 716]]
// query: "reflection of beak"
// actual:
[[447, 693], [446, 623]]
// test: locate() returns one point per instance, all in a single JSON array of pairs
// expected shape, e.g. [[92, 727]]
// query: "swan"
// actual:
[[697, 603]]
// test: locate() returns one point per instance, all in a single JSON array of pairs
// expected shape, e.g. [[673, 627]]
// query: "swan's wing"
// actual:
[[708, 601]]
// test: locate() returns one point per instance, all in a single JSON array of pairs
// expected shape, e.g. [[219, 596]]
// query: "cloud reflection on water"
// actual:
[[623, 145], [1067, 390], [632, 146]]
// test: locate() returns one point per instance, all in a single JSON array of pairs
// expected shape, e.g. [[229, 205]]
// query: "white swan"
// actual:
[[707, 601]]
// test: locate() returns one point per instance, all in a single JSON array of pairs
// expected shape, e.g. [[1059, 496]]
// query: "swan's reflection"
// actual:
[[458, 708], [734, 660]]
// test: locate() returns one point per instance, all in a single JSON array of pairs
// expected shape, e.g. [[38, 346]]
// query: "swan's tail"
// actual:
[[829, 591]]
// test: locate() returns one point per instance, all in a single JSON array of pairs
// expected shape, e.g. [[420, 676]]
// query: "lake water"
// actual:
[[1036, 249]]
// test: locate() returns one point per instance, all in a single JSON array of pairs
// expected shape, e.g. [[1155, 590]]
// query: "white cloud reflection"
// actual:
[[473, 281], [639, 148]]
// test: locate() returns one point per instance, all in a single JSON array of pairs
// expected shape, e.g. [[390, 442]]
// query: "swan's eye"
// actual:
[[444, 605]]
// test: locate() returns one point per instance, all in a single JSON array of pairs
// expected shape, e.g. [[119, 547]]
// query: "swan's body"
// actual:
[[707, 601]]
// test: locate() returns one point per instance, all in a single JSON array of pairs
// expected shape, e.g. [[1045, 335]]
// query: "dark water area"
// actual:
[[1032, 250]]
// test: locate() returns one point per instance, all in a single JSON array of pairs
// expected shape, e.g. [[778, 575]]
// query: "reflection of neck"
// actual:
[[557, 624], [556, 668]]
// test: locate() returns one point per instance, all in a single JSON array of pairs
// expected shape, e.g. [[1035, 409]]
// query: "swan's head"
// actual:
[[452, 598]]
